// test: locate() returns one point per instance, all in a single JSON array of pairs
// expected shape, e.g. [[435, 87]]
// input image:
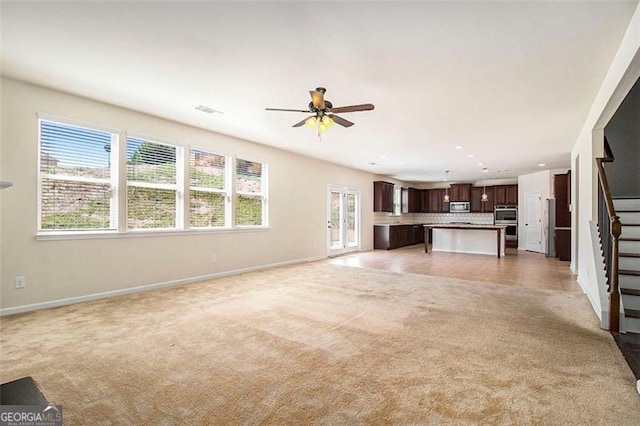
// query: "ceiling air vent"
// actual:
[[208, 110]]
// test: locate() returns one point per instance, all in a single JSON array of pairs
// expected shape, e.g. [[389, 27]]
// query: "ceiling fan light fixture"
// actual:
[[322, 127], [311, 122], [323, 111]]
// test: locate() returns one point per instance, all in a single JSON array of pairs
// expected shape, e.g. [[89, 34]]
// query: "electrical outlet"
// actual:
[[20, 282], [213, 258]]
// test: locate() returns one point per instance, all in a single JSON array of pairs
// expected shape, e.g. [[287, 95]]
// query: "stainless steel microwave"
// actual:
[[459, 207]]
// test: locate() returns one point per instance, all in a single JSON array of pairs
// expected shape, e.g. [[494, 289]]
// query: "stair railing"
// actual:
[[610, 230]]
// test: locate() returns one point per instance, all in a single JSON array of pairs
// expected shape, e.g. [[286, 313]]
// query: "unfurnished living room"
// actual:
[[320, 212]]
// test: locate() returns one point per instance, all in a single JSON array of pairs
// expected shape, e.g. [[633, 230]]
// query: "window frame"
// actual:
[[227, 191], [119, 182], [179, 212], [112, 181], [264, 191]]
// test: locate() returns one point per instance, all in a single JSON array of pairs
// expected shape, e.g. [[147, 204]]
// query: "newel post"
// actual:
[[614, 295]]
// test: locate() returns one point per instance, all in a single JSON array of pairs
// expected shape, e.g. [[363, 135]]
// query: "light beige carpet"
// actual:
[[324, 344]]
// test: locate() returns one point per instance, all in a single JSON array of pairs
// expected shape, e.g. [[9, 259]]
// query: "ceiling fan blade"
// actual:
[[282, 109], [317, 98], [353, 108], [341, 121], [301, 123]]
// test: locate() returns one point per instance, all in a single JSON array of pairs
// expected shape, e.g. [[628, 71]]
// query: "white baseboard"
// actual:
[[146, 287], [602, 315]]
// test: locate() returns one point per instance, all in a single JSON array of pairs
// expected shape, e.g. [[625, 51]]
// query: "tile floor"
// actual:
[[518, 268]]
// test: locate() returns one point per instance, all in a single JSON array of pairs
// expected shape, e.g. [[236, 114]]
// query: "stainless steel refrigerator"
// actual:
[[551, 227]]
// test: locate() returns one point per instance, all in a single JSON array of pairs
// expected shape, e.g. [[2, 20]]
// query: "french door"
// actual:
[[343, 220]]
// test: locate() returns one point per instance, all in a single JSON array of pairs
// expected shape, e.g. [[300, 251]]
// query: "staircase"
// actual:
[[629, 261]]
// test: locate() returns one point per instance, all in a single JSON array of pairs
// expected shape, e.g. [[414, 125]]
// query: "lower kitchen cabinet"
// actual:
[[563, 243], [388, 237]]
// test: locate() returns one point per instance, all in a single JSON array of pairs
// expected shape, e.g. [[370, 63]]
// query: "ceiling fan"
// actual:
[[324, 114]]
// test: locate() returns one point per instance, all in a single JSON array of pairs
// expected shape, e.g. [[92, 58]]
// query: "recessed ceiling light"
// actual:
[[470, 155], [485, 170], [542, 164], [459, 147], [383, 156], [373, 164], [208, 110], [480, 164], [402, 163]]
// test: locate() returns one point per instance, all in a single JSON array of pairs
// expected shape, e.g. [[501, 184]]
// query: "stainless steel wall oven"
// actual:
[[507, 215]]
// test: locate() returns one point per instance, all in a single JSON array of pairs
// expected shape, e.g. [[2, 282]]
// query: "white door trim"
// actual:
[[344, 245]]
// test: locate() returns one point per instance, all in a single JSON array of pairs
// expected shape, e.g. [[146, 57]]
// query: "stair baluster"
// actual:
[[610, 240]]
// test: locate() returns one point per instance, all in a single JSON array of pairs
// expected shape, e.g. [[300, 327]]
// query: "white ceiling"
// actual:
[[511, 82]]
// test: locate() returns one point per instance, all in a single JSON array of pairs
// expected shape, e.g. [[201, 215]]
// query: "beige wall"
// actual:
[[623, 72], [63, 269]]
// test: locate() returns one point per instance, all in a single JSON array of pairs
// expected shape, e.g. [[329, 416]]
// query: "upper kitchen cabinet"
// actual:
[[436, 201], [562, 194], [460, 192], [506, 195], [479, 206], [424, 205], [411, 200], [382, 196]]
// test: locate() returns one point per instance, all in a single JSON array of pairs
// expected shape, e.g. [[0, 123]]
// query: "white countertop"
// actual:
[[463, 226]]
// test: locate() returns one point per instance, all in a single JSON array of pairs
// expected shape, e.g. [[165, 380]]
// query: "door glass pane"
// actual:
[[336, 229], [352, 217]]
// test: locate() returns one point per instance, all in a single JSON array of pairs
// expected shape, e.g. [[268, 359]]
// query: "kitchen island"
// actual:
[[466, 238]]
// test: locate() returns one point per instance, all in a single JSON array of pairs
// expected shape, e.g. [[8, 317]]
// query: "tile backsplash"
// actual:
[[411, 218]]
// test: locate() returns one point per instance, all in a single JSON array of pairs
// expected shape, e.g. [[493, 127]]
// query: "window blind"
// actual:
[[207, 189], [75, 177], [151, 184], [249, 193]]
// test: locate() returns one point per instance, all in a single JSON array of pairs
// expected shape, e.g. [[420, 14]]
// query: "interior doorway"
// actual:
[[533, 221], [343, 220], [573, 207]]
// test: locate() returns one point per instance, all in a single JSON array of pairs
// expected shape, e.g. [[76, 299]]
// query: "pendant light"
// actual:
[[484, 196], [446, 188]]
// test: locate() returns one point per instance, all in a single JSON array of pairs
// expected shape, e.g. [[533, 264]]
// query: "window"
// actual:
[[208, 197], [76, 178], [152, 184], [250, 208], [92, 179]]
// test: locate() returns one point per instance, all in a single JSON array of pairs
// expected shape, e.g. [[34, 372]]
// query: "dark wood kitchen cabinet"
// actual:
[[382, 196], [562, 242], [436, 201], [389, 237], [460, 192], [424, 206], [561, 192], [479, 206], [506, 195], [562, 231], [411, 200]]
